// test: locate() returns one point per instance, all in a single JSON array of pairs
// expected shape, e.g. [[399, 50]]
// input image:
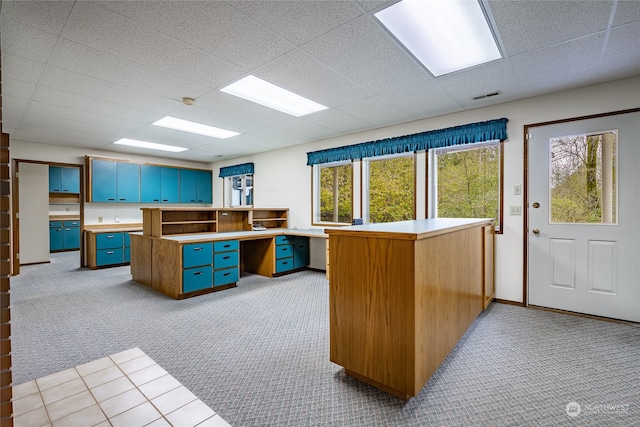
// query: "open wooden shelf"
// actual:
[[170, 221]]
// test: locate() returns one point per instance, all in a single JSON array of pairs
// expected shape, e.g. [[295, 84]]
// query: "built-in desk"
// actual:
[[402, 294], [161, 263]]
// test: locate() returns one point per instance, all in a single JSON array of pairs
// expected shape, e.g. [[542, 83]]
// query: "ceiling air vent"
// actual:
[[488, 95]]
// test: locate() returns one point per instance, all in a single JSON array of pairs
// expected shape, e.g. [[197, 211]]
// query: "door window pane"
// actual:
[[583, 178]]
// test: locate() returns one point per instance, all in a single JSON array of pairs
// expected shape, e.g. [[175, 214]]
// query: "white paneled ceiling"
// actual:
[[85, 74]]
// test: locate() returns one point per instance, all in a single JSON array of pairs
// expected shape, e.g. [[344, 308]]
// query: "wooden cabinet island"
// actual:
[[402, 294]]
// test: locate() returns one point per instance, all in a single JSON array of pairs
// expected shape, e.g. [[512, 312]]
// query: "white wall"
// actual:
[[34, 213], [282, 178], [126, 213]]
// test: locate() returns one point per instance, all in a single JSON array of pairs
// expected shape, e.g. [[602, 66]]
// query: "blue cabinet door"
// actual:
[[109, 241], [188, 186], [150, 184], [109, 256], [169, 178], [225, 276], [71, 237], [204, 190], [103, 181], [70, 180], [128, 182], [195, 279], [195, 254], [301, 252], [56, 238], [55, 183]]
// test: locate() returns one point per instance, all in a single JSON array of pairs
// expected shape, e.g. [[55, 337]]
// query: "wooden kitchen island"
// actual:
[[402, 294]]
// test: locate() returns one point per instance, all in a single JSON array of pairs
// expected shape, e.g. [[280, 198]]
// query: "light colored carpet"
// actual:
[[259, 353]]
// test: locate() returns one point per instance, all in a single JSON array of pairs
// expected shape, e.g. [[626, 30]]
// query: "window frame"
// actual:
[[365, 183], [432, 176], [316, 214], [228, 190]]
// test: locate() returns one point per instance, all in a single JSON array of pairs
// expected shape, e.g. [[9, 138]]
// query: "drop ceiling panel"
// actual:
[[86, 105], [212, 27], [91, 87], [375, 5], [38, 116], [525, 26], [617, 63], [420, 99], [300, 73], [26, 70], [299, 21], [366, 54], [17, 88], [482, 80], [48, 16], [566, 65], [338, 121], [376, 111], [626, 12], [27, 42], [82, 59]]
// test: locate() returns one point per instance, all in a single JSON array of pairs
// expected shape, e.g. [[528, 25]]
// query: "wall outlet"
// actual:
[[515, 210], [99, 220], [116, 219], [517, 190]]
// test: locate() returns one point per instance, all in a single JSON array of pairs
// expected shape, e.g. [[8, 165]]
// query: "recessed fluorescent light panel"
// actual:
[[446, 36], [149, 145], [264, 93], [198, 128]]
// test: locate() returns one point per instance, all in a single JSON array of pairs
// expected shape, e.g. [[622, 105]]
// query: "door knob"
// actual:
[[536, 231]]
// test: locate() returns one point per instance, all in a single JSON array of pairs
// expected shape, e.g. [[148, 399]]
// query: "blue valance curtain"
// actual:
[[463, 134], [242, 169]]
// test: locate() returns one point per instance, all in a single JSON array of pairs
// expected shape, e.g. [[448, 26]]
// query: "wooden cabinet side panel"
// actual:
[[91, 250], [489, 265], [166, 269], [371, 293], [449, 289], [141, 259]]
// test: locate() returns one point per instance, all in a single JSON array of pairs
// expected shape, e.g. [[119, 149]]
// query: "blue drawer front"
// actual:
[[127, 240], [284, 264], [227, 245], [195, 279], [55, 224], [72, 223], [284, 240], [225, 277], [225, 260], [109, 256], [127, 255], [195, 254], [284, 251], [109, 241]]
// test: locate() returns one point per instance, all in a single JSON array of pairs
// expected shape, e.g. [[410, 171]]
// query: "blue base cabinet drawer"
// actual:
[[225, 260], [225, 277], [227, 245], [284, 251], [106, 249], [109, 256], [109, 241], [195, 254], [196, 279], [284, 264]]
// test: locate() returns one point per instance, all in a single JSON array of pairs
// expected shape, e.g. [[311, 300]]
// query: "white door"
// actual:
[[584, 216]]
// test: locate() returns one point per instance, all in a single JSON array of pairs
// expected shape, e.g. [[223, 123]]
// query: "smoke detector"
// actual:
[[188, 101]]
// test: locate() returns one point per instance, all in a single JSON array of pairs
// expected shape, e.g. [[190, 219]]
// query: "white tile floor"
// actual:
[[126, 389]]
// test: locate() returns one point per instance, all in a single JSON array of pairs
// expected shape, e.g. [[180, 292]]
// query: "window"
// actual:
[[583, 178], [334, 194], [388, 189], [240, 190], [467, 182]]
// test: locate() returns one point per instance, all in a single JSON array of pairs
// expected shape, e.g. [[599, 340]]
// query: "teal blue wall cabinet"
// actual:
[[64, 179], [115, 181]]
